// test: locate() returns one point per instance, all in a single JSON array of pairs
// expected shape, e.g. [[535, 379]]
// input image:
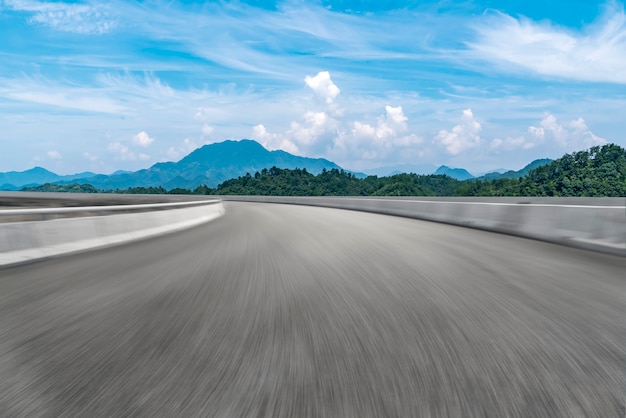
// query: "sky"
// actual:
[[480, 84]]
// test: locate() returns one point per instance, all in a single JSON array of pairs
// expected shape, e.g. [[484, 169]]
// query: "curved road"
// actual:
[[289, 311]]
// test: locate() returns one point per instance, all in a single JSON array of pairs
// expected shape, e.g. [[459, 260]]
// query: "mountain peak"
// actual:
[[455, 173], [224, 149], [38, 170], [211, 165]]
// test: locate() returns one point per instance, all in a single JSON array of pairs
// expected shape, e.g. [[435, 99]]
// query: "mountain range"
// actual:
[[516, 174], [456, 173], [15, 180], [210, 164], [215, 163]]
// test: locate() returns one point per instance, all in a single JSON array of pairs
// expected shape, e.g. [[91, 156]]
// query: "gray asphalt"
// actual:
[[290, 311]]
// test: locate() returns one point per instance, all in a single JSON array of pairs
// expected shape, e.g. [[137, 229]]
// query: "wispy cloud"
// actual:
[[365, 88], [68, 17], [42, 91], [597, 53]]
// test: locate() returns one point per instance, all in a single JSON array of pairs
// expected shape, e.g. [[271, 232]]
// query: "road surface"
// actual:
[[291, 311]]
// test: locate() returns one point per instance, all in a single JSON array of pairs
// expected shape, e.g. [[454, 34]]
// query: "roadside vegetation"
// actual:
[[599, 171]]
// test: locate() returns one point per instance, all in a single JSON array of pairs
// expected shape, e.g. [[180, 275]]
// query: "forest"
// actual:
[[598, 171]]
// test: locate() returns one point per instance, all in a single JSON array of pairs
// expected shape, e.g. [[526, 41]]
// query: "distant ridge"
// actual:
[[15, 180], [215, 163], [455, 173], [519, 173], [209, 165]]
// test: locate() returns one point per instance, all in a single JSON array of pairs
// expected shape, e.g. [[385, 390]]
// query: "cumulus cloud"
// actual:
[[67, 17], [273, 141], [314, 126], [122, 151], [463, 136], [143, 139], [323, 86], [386, 140], [552, 135], [54, 155], [573, 134], [596, 53], [325, 131], [390, 125], [390, 133]]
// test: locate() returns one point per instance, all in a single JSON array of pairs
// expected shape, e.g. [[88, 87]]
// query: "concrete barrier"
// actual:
[[592, 223], [22, 242]]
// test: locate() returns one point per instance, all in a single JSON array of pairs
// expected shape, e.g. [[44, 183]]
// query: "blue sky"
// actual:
[[109, 85]]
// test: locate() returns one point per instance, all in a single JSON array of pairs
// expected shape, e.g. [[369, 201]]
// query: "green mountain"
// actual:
[[210, 165], [511, 174], [598, 171], [455, 173], [15, 180]]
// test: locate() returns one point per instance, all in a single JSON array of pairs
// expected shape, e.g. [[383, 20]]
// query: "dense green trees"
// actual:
[[69, 188], [599, 171], [284, 182]]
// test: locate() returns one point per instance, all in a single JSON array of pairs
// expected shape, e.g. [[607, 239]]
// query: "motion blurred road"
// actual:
[[292, 311]]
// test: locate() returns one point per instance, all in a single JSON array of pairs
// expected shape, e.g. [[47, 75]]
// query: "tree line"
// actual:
[[599, 171]]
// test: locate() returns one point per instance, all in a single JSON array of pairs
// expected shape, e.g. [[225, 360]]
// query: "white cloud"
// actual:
[[186, 146], [315, 126], [323, 86], [463, 136], [67, 17], [273, 141], [122, 151], [389, 131], [143, 139], [511, 144], [558, 137], [54, 155], [570, 135], [597, 53], [537, 131], [42, 92], [207, 130], [386, 140]]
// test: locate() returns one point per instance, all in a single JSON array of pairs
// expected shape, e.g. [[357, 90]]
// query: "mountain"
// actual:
[[455, 173], [211, 164], [15, 180], [495, 170], [34, 175], [599, 171], [516, 174]]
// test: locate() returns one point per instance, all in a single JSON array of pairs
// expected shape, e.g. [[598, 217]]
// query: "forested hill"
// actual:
[[276, 181], [599, 171]]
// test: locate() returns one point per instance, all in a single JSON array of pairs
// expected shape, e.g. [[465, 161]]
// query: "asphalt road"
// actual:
[[288, 311]]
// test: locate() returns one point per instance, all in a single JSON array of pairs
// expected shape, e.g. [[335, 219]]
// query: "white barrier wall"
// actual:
[[25, 241], [591, 223]]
